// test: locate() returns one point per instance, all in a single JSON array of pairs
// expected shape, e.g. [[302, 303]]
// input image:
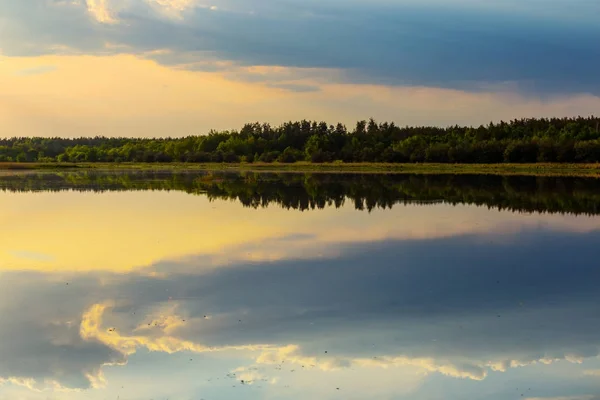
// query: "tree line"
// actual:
[[316, 191], [572, 140]]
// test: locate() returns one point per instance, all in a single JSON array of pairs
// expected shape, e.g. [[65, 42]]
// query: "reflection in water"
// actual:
[[365, 191], [422, 301]]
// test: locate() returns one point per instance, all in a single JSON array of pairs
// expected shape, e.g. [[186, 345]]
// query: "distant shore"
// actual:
[[537, 169]]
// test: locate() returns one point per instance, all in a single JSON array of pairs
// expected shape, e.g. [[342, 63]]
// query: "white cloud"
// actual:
[[300, 42], [100, 11], [173, 8]]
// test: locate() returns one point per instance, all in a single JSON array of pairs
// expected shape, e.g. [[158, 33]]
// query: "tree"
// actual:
[[290, 155], [523, 140]]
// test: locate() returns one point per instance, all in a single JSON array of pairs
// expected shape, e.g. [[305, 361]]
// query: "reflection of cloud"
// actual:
[[25, 382], [459, 307], [226, 233], [477, 321], [165, 319], [91, 329], [249, 375], [41, 357], [33, 256], [595, 372], [292, 355]]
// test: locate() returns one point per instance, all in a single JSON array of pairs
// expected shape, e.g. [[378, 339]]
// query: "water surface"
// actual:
[[295, 286]]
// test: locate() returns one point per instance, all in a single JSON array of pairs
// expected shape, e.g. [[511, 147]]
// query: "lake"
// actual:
[[165, 285]]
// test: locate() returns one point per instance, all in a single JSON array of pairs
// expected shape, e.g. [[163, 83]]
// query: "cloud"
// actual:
[[293, 87], [100, 11], [467, 47], [44, 69], [174, 8], [409, 46], [195, 101]]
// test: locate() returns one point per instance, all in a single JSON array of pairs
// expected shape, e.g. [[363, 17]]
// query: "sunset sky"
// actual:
[[180, 67]]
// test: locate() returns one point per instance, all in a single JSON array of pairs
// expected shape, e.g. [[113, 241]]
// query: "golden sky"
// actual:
[[180, 67], [125, 95]]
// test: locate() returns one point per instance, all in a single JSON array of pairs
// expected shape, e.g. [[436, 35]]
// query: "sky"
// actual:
[[170, 299], [148, 68]]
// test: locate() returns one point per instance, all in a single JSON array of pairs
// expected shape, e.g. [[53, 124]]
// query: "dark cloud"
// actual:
[[403, 44], [445, 289], [39, 336], [469, 302]]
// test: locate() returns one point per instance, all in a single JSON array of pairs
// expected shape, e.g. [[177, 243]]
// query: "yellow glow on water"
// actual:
[[118, 232], [123, 231]]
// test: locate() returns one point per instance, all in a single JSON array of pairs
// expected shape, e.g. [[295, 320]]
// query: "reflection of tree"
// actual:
[[365, 191]]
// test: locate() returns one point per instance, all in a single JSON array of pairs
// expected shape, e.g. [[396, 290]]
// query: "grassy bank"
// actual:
[[4, 166], [538, 169]]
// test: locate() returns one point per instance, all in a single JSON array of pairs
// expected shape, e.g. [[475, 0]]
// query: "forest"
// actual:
[[316, 191], [562, 140]]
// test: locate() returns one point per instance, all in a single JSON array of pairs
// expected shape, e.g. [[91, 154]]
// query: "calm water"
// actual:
[[258, 286]]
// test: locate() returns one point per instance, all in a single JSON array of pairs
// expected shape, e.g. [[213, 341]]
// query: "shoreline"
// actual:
[[538, 169]]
